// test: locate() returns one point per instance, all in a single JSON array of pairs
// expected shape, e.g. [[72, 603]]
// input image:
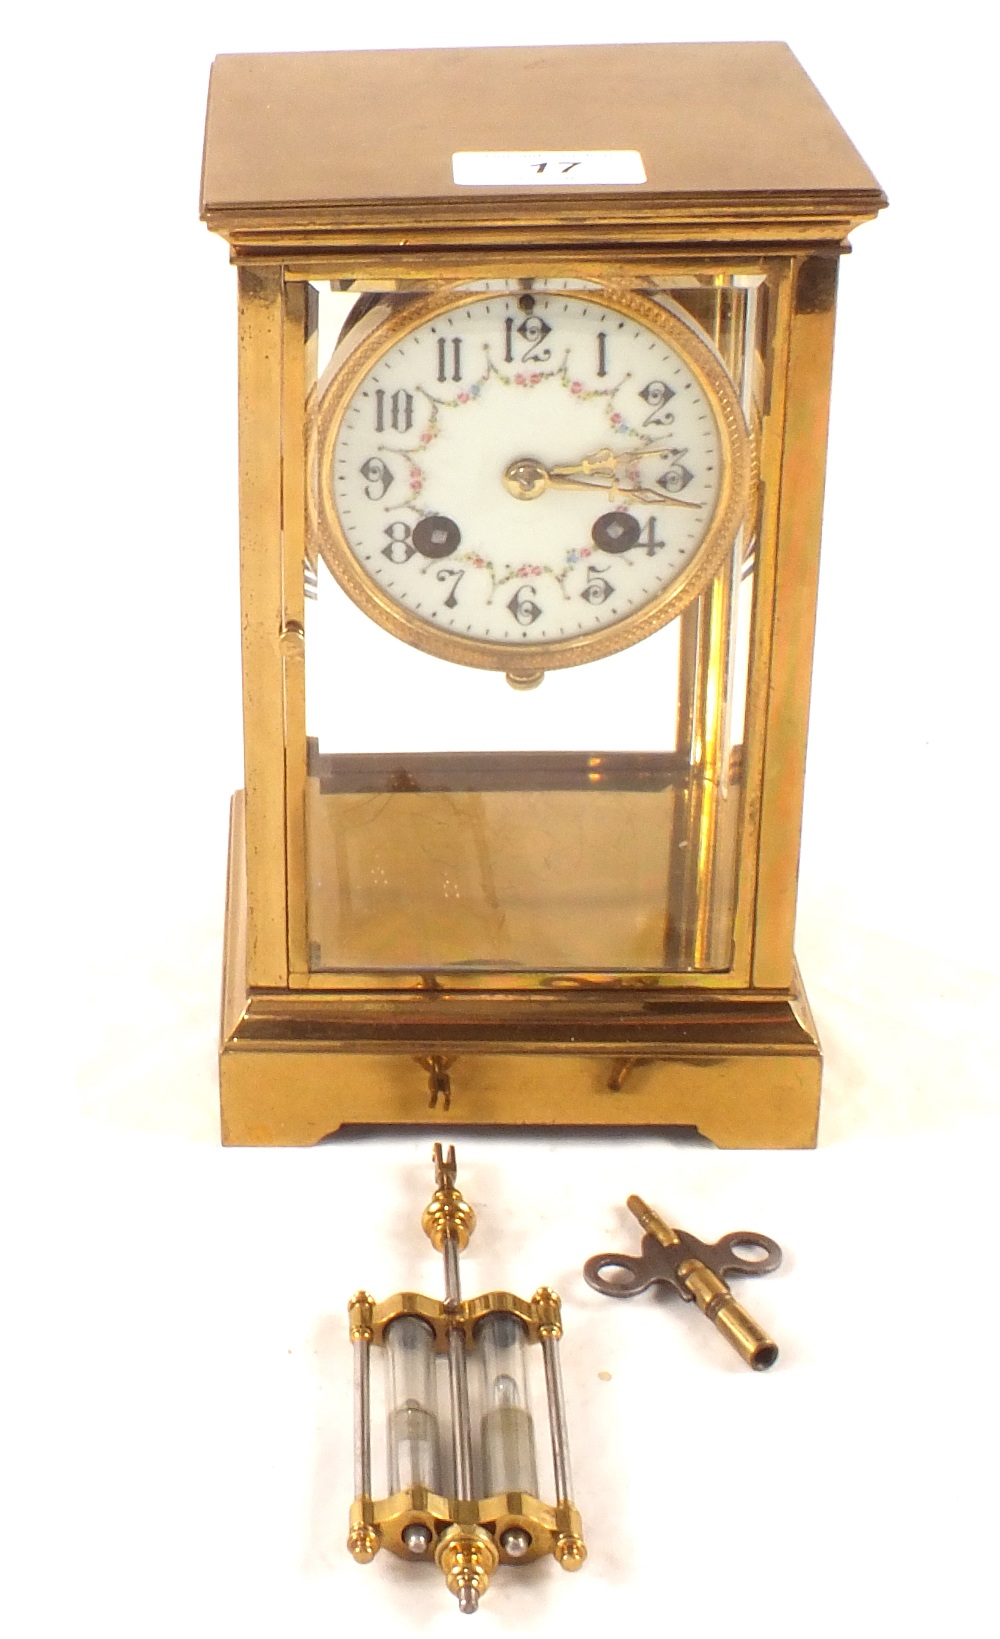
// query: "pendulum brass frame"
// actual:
[[469, 1535]]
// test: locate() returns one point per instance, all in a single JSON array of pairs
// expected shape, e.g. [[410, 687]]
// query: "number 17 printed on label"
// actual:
[[523, 169]]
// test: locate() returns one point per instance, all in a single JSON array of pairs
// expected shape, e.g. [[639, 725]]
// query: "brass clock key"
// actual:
[[672, 1257]]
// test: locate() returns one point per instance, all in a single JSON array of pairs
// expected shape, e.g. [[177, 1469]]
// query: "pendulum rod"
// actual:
[[363, 1419], [448, 1222], [569, 1549], [363, 1540], [557, 1419]]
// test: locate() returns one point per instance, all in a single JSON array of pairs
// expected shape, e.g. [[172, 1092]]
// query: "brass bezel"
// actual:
[[731, 510]]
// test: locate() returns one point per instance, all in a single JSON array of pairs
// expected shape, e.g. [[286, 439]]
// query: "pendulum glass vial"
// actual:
[[508, 1436], [412, 1426]]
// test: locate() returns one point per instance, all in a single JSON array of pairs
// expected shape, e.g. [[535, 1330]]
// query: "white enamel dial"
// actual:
[[537, 472]]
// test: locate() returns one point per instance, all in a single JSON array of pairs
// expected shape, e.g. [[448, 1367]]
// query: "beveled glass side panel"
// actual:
[[454, 822]]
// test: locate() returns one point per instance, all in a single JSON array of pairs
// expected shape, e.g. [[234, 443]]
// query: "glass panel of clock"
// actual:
[[524, 733]]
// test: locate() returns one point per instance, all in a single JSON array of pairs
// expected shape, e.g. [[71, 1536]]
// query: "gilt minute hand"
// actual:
[[527, 479]]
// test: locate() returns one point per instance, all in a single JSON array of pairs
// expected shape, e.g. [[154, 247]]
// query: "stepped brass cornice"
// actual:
[[610, 225]]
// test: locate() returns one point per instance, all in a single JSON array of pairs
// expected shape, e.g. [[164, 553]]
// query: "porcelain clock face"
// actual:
[[525, 480]]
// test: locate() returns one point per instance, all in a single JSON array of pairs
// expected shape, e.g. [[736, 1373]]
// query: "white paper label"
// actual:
[[519, 169]]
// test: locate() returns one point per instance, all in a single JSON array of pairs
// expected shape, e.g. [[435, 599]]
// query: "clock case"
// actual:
[[332, 172]]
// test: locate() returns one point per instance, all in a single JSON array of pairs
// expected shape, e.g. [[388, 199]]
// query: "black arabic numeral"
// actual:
[[453, 575], [602, 353], [597, 590], [523, 606], [456, 358], [400, 410], [657, 395], [508, 352], [378, 475], [649, 540], [534, 331], [675, 479], [400, 548]]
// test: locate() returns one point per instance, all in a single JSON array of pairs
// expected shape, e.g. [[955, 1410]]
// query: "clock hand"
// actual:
[[527, 479], [652, 497], [607, 460]]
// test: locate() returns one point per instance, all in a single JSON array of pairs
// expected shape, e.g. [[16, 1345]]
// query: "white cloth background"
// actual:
[[177, 1375]]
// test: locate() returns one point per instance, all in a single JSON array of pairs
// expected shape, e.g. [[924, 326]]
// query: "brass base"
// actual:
[[743, 1067]]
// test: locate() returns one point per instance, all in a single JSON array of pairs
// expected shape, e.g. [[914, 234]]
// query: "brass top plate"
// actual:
[[307, 133]]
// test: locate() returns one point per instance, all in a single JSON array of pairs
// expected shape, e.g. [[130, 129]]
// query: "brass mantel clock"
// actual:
[[533, 396]]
